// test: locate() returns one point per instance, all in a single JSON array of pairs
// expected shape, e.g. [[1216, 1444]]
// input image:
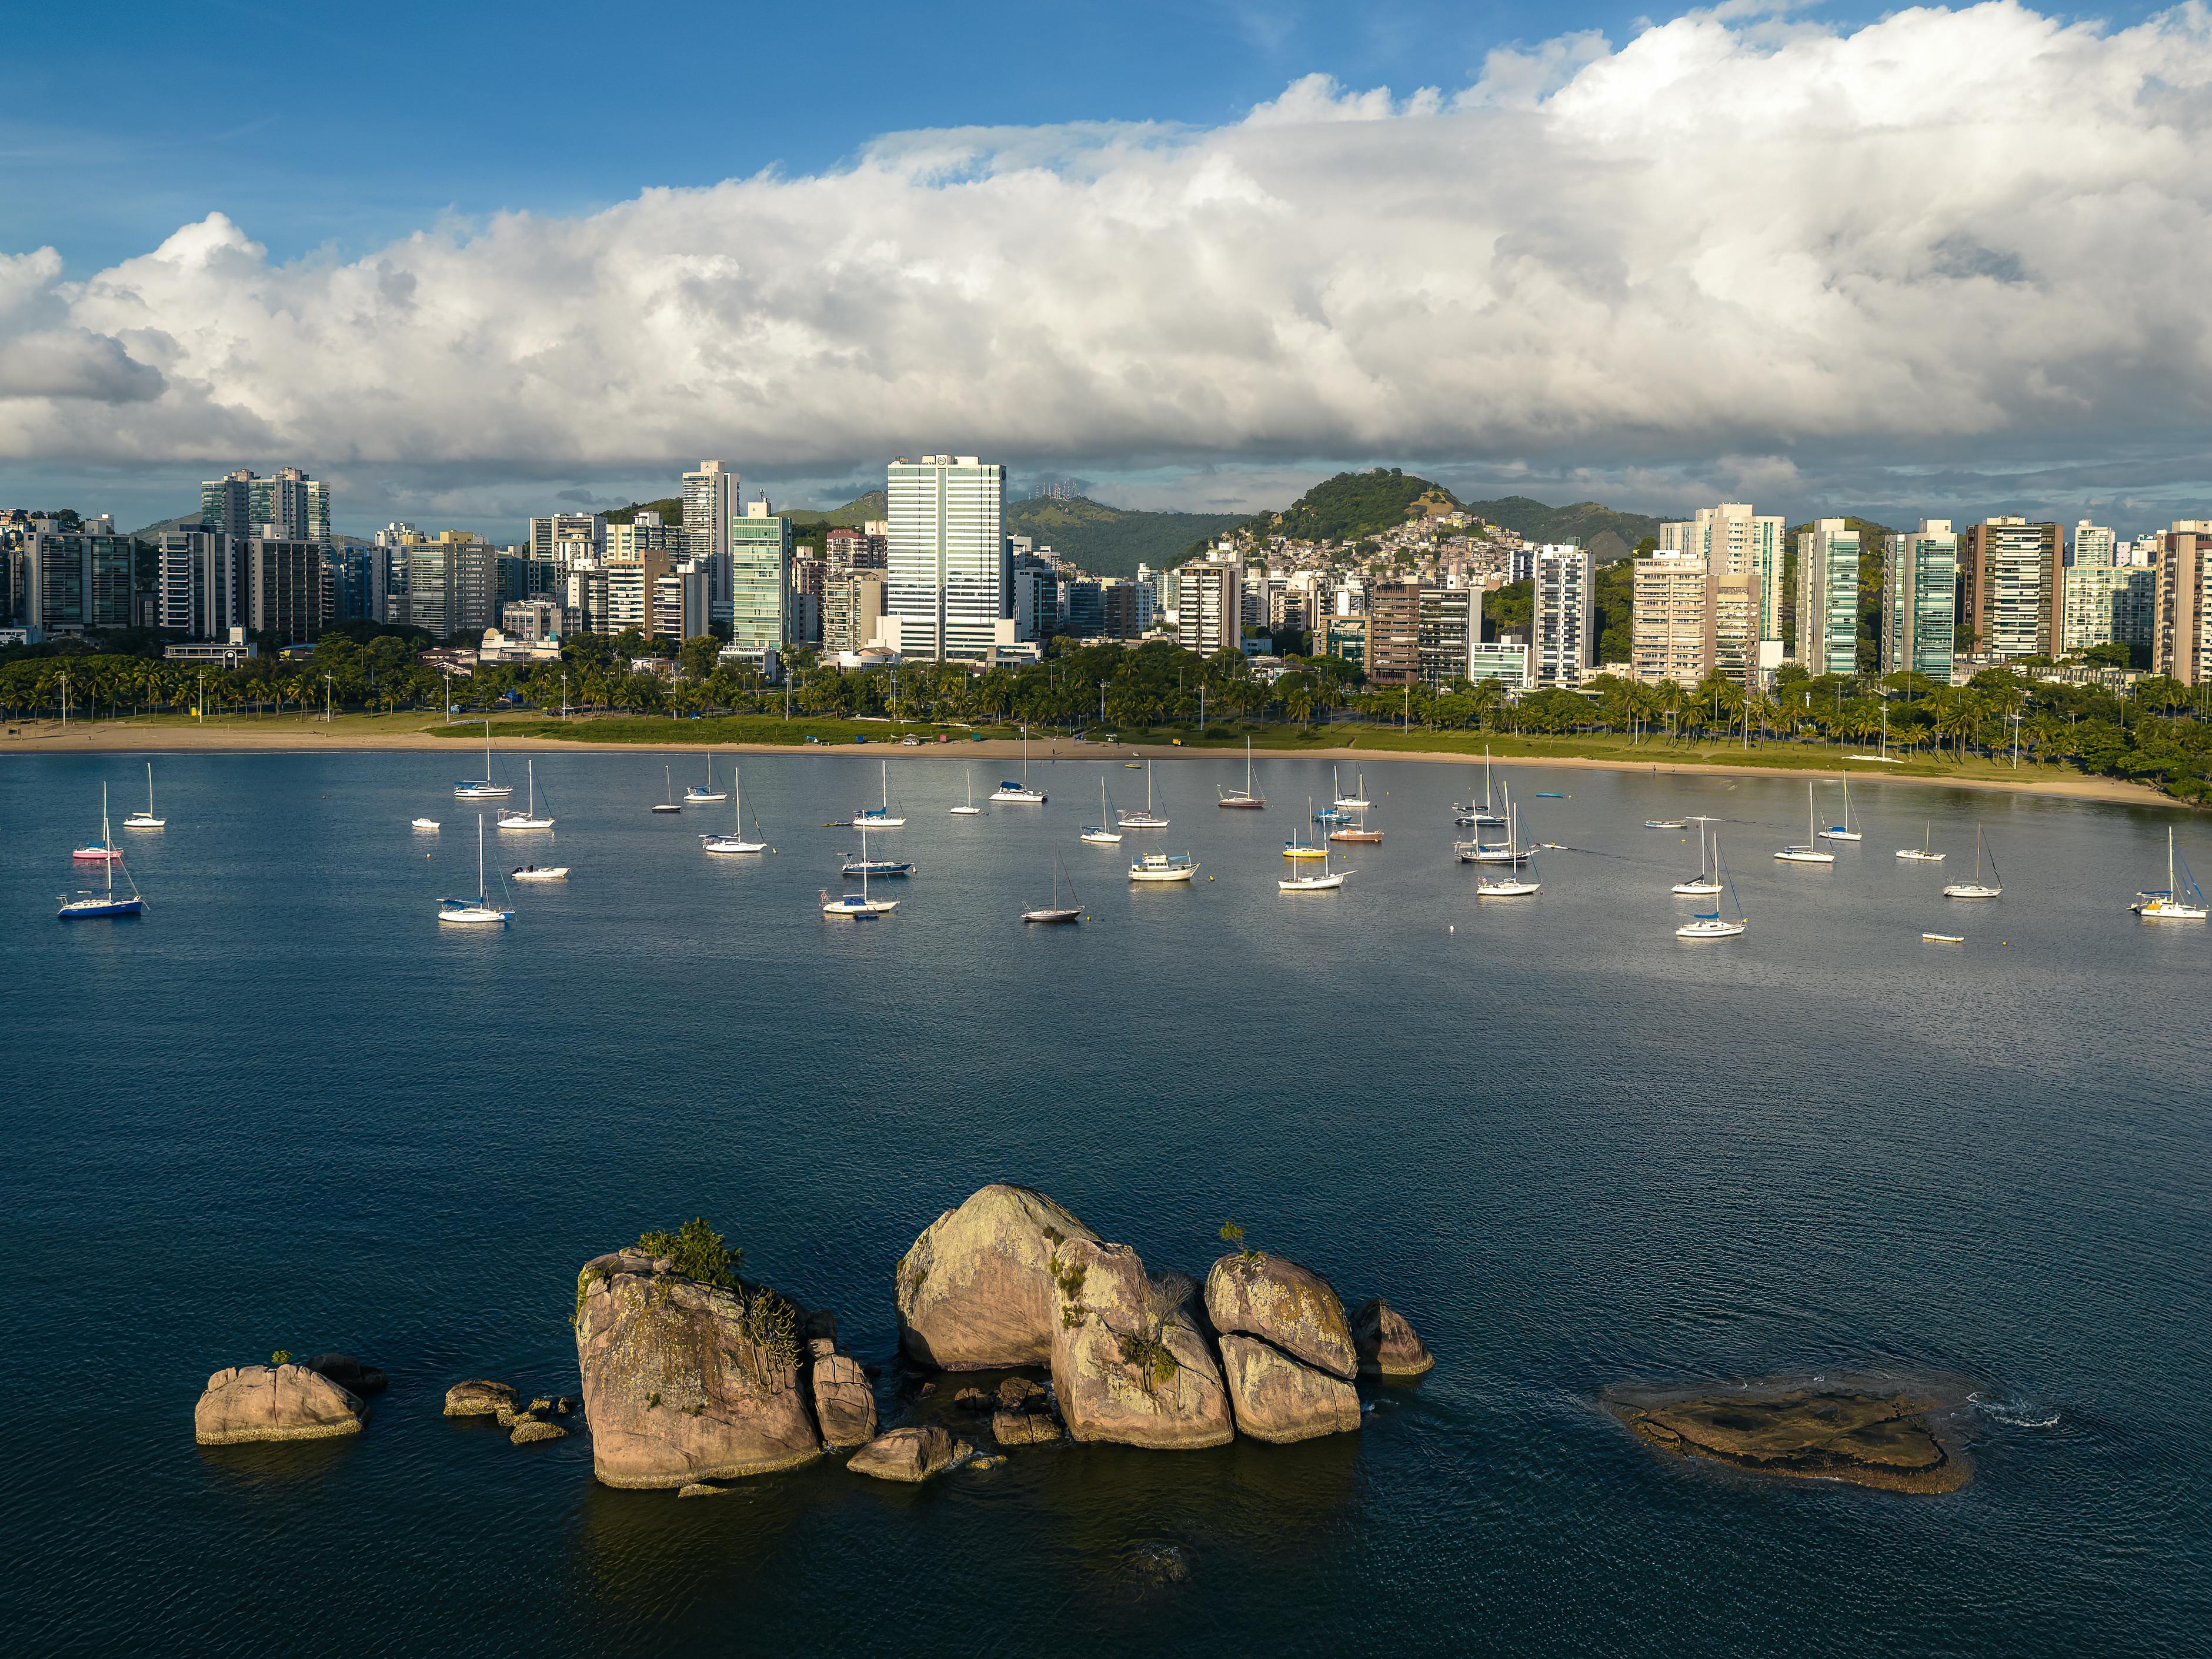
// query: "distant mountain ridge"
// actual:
[[1608, 533], [1113, 541]]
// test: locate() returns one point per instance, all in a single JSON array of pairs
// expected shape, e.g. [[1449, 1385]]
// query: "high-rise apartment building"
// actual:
[[1828, 598], [76, 578], [1738, 542], [712, 498], [2110, 604], [1563, 622], [1920, 601], [2093, 544], [1672, 636], [760, 581], [1393, 633], [948, 558], [193, 583], [294, 506], [2010, 583], [1422, 633], [548, 532], [852, 610], [284, 588], [844, 548], [1210, 606], [2182, 645]]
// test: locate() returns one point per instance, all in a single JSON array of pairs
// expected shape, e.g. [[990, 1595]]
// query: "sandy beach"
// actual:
[[404, 732]]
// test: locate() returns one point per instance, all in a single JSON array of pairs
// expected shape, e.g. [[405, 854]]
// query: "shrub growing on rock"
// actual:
[[696, 1251]]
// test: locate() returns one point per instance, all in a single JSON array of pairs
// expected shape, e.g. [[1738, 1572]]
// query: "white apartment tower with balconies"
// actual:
[[948, 563]]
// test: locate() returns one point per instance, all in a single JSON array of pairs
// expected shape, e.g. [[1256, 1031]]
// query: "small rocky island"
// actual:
[[1895, 1440]]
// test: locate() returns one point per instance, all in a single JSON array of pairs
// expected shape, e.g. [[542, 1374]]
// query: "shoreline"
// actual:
[[291, 736]]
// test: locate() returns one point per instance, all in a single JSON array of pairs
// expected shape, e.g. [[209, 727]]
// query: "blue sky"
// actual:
[[328, 134]]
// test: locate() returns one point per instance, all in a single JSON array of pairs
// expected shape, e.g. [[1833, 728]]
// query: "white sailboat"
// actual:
[[1976, 888], [1105, 833], [880, 817], [1509, 851], [483, 788], [671, 804], [1707, 883], [477, 912], [527, 818], [1164, 867], [2180, 900], [695, 796], [1010, 790], [1925, 853], [1712, 924], [860, 905], [1055, 911], [1325, 880], [969, 810], [1146, 819], [1487, 813], [1357, 800], [1514, 885], [146, 820], [735, 842], [1245, 797], [89, 906], [1807, 853], [1846, 830]]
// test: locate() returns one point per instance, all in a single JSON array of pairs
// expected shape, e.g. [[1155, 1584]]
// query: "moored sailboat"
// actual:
[[478, 912], [1055, 911], [1008, 790], [483, 788], [89, 906], [1807, 853], [1712, 924], [2180, 900], [527, 818], [146, 820], [1247, 797], [735, 842], [1977, 889]]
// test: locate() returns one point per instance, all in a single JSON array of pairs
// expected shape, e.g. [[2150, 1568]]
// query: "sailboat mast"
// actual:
[[106, 842], [480, 864]]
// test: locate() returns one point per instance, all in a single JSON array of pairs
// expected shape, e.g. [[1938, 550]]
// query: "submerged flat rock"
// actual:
[[1891, 1438]]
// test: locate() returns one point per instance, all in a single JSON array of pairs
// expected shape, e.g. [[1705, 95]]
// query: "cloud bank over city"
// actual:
[[1742, 253]]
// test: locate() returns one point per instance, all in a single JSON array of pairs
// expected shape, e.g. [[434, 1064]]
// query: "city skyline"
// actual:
[[1200, 295]]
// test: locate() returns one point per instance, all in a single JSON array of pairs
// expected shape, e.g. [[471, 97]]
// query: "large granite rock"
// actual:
[[480, 1397], [1385, 1343], [1279, 1399], [910, 1454], [844, 1403], [686, 1382], [1129, 1365], [274, 1402], [975, 1291], [1291, 1307]]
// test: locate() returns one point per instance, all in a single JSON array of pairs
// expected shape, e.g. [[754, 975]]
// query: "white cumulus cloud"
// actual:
[[1732, 241]]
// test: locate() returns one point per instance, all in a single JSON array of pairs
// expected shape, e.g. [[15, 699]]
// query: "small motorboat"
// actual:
[[539, 872], [427, 825], [1164, 867], [1943, 939], [1666, 823]]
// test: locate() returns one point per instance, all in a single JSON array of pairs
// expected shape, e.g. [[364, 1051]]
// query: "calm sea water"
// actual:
[[287, 1110]]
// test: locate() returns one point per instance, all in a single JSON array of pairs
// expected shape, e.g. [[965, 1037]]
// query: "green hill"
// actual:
[[1355, 504], [1112, 541], [670, 509], [874, 504], [1609, 534]]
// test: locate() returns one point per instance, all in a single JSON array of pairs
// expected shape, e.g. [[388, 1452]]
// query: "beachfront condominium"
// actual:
[[1210, 606], [711, 498], [1828, 598], [2110, 604], [1739, 542], [76, 575], [1563, 622], [2009, 587], [760, 582], [1920, 601], [289, 505], [2093, 544], [948, 559], [1672, 635], [1422, 633], [2182, 645]]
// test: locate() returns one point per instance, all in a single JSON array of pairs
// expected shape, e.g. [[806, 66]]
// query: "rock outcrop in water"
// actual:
[[687, 1381], [481, 1397], [1130, 1363], [975, 1293], [1885, 1439], [1385, 1343], [910, 1455], [244, 1403], [1286, 1347]]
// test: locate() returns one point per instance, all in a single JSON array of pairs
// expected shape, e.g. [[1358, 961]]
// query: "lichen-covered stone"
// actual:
[[685, 1381], [975, 1291], [910, 1455], [1290, 1306], [1129, 1366], [1386, 1344], [530, 1429], [844, 1403], [480, 1397], [1025, 1428], [1279, 1399], [243, 1403]]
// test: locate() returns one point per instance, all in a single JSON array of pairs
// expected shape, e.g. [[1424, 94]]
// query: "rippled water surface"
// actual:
[[286, 1109]]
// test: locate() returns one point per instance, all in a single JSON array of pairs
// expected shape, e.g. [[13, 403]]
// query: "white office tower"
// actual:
[[948, 556], [1828, 598], [1738, 543], [1566, 632], [2095, 546], [711, 498]]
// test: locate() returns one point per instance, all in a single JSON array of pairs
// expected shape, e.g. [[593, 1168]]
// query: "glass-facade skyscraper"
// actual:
[[1920, 601]]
